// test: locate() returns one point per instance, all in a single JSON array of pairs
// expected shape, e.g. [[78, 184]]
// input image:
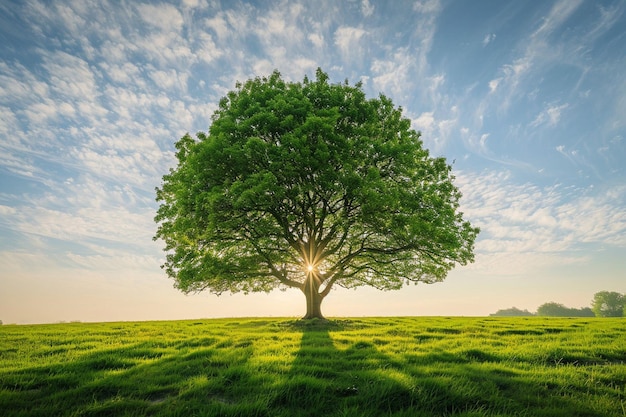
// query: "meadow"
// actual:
[[413, 366]]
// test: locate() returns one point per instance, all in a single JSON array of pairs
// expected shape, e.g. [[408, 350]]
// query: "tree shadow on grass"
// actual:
[[337, 376], [202, 376], [334, 375], [329, 381], [337, 370]]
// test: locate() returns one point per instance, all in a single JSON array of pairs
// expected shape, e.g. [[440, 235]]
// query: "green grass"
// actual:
[[349, 367]]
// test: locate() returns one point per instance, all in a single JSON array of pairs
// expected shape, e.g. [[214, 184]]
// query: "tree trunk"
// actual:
[[313, 298]]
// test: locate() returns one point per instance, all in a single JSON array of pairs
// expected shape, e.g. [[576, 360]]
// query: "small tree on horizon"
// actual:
[[553, 309], [308, 185], [608, 304], [512, 312]]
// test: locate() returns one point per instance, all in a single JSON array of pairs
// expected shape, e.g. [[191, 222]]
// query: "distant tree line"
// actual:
[[559, 310], [604, 304]]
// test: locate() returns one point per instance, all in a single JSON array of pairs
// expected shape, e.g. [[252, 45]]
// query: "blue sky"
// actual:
[[526, 99]]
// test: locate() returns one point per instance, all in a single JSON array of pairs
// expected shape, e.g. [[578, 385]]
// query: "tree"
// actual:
[[584, 312], [512, 312], [552, 309], [308, 185], [559, 310], [608, 304]]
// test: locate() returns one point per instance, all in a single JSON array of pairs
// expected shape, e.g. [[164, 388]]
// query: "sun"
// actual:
[[310, 268]]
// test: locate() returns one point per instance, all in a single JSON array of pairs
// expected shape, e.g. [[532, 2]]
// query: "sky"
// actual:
[[525, 99]]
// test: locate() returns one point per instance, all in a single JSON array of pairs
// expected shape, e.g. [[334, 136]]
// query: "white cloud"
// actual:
[[72, 90], [490, 37], [437, 81], [316, 39], [483, 140], [537, 52], [514, 72], [304, 65], [279, 27], [393, 76], [164, 16], [6, 210], [87, 208], [18, 84], [425, 121], [273, 24], [208, 51], [609, 16], [70, 76], [525, 223], [126, 73], [476, 142], [40, 113], [194, 4], [171, 79], [8, 123], [167, 49], [396, 76], [348, 39], [219, 25], [493, 84], [436, 132], [367, 8], [550, 116], [434, 87], [554, 113], [263, 66], [427, 6], [560, 12]]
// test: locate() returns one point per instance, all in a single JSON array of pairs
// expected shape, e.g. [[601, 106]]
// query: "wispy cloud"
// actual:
[[608, 17], [509, 79], [521, 223], [560, 12], [550, 116], [393, 74], [348, 40], [537, 52], [164, 16], [490, 37], [493, 84], [546, 82], [367, 8], [427, 6], [436, 131]]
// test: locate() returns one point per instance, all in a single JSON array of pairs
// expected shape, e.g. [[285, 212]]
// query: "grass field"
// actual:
[[421, 366]]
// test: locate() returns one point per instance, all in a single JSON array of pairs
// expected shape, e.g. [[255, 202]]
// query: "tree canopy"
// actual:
[[608, 304], [308, 185], [553, 309], [512, 312]]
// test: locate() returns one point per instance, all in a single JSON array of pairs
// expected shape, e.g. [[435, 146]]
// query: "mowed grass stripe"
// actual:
[[413, 366]]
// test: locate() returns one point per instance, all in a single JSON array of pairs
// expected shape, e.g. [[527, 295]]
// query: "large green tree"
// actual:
[[308, 185]]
